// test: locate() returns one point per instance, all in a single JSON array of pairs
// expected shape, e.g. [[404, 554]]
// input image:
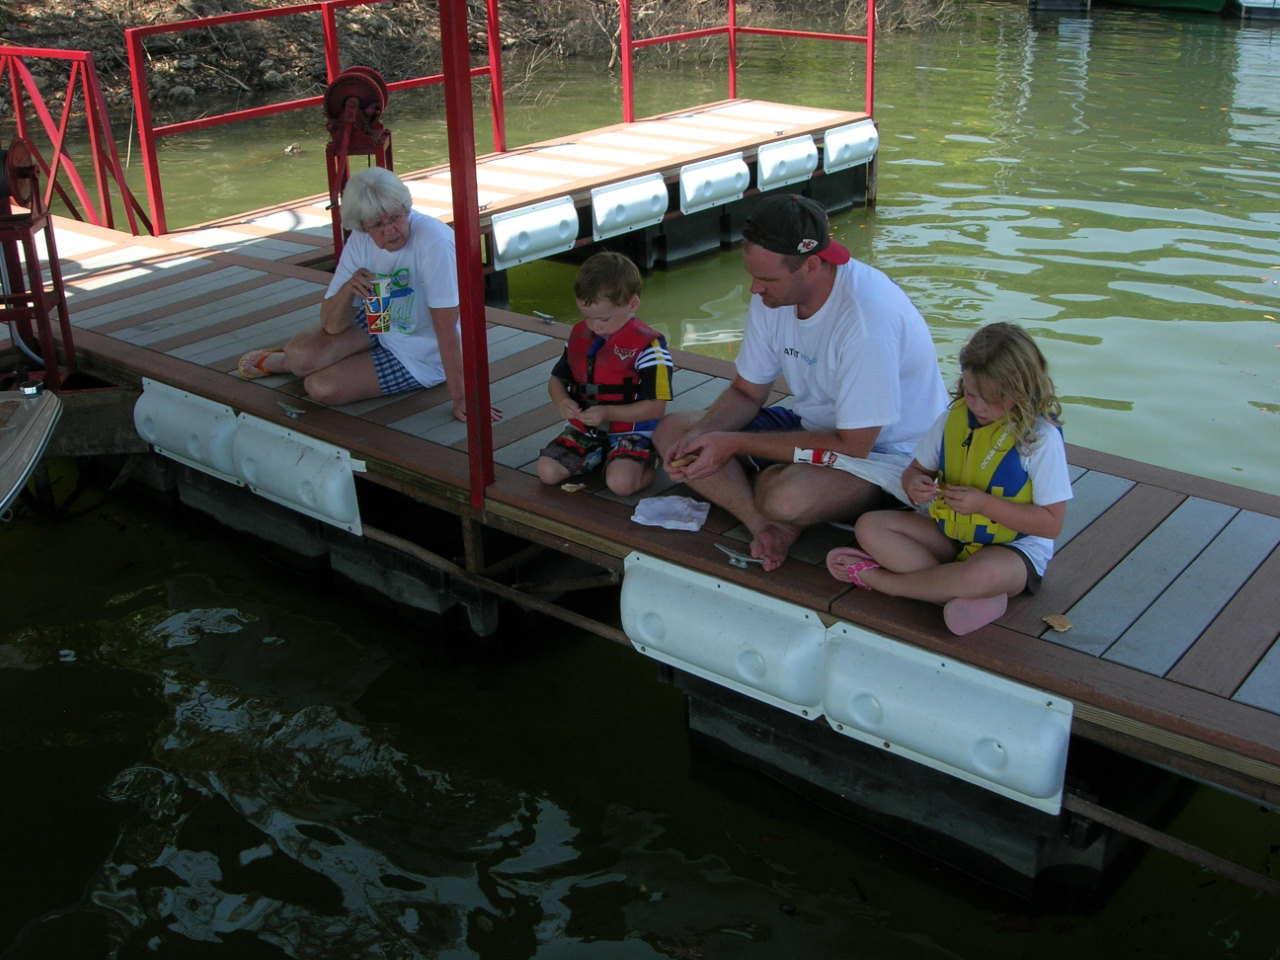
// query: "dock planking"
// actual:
[[1166, 578], [570, 166]]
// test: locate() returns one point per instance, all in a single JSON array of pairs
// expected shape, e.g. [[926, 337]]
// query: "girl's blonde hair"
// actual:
[[1005, 356]]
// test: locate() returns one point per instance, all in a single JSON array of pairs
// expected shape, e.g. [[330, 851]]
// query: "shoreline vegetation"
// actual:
[[275, 59]]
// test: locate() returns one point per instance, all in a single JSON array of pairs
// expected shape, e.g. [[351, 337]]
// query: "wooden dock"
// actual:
[[573, 168], [1167, 579]]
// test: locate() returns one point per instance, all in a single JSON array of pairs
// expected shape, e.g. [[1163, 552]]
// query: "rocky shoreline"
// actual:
[[282, 56]]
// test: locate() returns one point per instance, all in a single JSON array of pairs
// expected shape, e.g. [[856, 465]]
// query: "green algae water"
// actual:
[[1111, 182], [206, 754]]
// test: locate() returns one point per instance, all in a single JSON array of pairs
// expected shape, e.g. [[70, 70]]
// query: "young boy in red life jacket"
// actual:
[[612, 384]]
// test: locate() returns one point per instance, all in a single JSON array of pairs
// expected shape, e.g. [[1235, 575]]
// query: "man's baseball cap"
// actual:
[[792, 224]]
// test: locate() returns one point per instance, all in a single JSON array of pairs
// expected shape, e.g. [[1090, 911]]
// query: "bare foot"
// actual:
[[964, 615], [771, 543]]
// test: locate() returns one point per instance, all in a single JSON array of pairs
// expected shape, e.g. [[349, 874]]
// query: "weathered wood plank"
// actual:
[[225, 240], [142, 264], [297, 221], [120, 312], [1184, 483], [1092, 494], [518, 396], [1168, 628], [1231, 647], [1262, 688], [1121, 597], [221, 344], [1090, 555], [523, 453], [200, 314]]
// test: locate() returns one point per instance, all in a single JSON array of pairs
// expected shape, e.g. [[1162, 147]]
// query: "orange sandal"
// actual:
[[254, 363]]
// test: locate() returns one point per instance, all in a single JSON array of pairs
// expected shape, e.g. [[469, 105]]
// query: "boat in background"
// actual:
[[27, 419], [1198, 6]]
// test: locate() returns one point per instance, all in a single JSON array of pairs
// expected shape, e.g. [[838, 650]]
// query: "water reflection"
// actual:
[[301, 790], [209, 755]]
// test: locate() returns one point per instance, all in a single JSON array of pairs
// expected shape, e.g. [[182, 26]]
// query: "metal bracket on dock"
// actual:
[[740, 560]]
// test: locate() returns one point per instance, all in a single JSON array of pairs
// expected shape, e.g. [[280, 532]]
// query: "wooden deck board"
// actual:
[[1168, 628], [1089, 555], [1122, 596], [1262, 688], [1227, 652], [164, 324], [266, 248], [1092, 494], [95, 273], [1168, 579]]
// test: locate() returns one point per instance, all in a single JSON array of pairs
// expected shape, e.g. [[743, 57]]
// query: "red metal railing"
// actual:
[[733, 31], [466, 229], [457, 77], [148, 132], [82, 87]]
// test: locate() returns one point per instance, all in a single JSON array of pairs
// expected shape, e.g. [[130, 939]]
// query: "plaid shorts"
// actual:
[[392, 375]]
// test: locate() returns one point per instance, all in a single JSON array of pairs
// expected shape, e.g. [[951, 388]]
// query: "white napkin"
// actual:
[[672, 513]]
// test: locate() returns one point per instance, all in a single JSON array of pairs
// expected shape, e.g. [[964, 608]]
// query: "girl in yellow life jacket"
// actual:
[[990, 479]]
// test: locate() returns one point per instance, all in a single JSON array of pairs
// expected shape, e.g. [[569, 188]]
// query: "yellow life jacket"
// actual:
[[985, 457]]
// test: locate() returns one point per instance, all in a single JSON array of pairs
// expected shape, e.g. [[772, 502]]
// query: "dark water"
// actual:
[[208, 753]]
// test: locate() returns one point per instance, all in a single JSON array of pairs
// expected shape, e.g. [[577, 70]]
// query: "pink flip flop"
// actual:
[[839, 560], [964, 615], [854, 569]]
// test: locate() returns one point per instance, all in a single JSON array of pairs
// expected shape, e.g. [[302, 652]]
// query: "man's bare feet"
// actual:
[[771, 543]]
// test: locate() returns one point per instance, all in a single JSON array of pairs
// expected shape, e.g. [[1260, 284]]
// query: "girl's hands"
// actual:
[[964, 500], [921, 488]]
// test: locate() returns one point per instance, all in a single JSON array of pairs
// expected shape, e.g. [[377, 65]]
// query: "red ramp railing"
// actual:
[[83, 89]]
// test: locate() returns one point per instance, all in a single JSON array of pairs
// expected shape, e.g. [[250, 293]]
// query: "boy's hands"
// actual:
[[594, 416]]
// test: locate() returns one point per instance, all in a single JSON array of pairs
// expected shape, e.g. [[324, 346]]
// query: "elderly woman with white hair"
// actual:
[[408, 258]]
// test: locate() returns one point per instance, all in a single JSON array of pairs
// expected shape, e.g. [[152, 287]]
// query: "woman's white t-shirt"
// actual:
[[423, 275]]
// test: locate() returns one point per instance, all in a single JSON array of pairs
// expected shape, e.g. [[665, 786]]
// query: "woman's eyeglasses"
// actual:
[[381, 226]]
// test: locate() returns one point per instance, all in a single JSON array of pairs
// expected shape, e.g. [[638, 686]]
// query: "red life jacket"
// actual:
[[606, 372]]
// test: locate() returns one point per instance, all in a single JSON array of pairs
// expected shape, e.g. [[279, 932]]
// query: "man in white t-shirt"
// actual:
[[863, 371]]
